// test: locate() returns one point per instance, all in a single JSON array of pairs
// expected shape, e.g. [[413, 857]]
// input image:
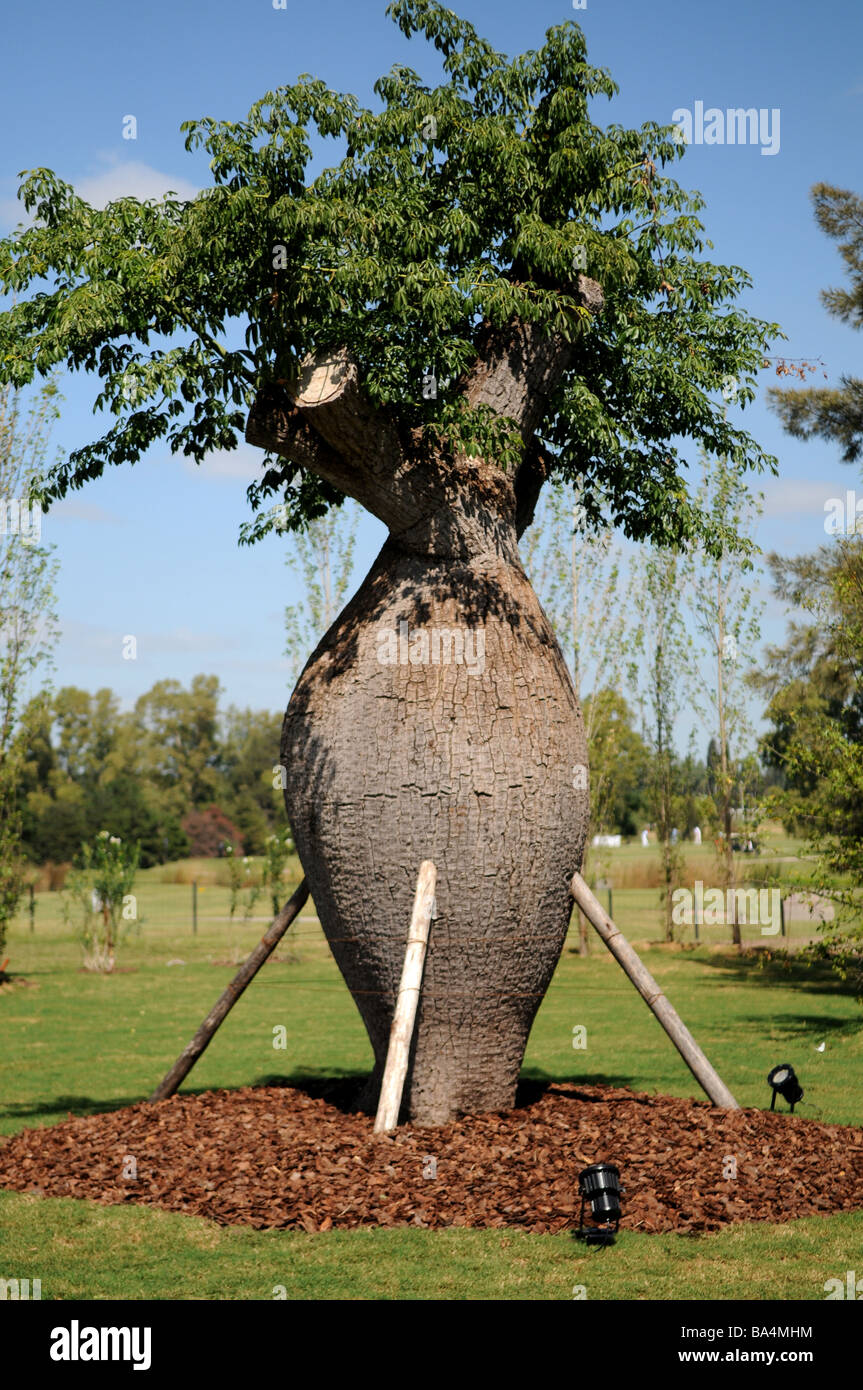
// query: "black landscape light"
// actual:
[[785, 1083], [600, 1186]]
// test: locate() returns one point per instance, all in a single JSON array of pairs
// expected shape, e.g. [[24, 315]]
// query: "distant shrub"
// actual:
[[98, 898], [278, 851], [244, 890], [210, 832]]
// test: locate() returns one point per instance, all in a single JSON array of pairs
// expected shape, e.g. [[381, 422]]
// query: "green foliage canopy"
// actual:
[[451, 207]]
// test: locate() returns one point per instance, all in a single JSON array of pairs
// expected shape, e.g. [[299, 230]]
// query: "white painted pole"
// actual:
[[407, 1000]]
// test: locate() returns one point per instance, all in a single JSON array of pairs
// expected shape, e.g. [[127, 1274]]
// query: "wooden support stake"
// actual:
[[404, 1017], [226, 1001], [707, 1078]]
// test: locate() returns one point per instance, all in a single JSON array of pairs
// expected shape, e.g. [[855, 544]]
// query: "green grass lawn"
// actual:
[[83, 1250], [73, 1042]]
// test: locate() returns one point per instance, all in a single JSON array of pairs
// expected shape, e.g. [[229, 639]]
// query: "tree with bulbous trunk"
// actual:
[[487, 290]]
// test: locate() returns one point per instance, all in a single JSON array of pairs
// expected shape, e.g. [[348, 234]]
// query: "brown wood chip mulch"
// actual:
[[279, 1157]]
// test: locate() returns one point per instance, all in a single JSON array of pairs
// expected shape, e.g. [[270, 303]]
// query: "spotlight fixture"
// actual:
[[600, 1186], [785, 1084]]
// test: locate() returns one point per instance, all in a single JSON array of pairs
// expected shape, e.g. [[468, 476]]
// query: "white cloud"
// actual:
[[183, 639], [131, 179], [95, 641], [244, 463], [71, 510], [275, 666], [796, 497], [115, 179]]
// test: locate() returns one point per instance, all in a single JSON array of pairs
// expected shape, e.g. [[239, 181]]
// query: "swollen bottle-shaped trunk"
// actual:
[[437, 720]]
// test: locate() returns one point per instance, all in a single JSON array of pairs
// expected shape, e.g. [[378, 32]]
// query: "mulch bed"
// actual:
[[280, 1157]]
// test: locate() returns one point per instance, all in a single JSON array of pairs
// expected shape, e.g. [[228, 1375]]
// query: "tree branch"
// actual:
[[323, 422], [328, 395], [532, 473], [519, 366], [275, 424]]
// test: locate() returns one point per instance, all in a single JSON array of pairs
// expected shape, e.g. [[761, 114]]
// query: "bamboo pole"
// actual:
[[226, 1001], [407, 1000], [707, 1078]]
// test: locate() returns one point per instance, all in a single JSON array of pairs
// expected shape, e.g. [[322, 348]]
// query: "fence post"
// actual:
[[32, 907], [194, 907]]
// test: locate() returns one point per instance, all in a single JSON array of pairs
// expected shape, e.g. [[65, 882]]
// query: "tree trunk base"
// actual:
[[393, 757]]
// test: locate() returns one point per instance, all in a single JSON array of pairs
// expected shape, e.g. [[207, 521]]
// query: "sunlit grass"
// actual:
[[75, 1042], [80, 1250]]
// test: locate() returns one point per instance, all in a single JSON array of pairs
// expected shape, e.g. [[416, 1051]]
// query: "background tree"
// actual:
[[815, 687], [27, 613], [726, 617], [79, 770], [575, 571], [322, 558], [85, 763], [549, 270], [620, 751], [176, 741], [814, 676], [815, 681], [657, 673], [86, 729], [696, 805], [248, 751], [834, 413]]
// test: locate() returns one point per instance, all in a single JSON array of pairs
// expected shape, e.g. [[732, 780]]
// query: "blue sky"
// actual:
[[151, 551]]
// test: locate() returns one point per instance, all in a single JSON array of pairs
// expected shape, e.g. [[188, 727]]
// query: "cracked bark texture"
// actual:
[[468, 763], [390, 764]]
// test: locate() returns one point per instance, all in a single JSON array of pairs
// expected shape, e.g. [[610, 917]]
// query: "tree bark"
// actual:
[[436, 720], [390, 763]]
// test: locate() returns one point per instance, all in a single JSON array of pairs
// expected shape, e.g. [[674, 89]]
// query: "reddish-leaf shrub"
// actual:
[[209, 832]]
